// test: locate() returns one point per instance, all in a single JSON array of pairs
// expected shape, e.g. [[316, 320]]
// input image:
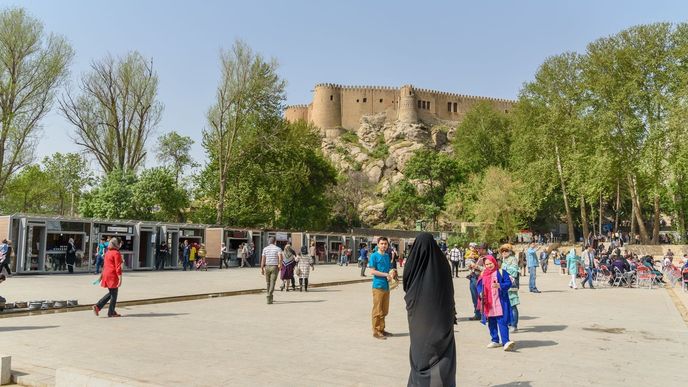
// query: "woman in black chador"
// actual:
[[430, 306]]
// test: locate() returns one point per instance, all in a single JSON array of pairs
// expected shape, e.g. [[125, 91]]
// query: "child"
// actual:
[[493, 303]]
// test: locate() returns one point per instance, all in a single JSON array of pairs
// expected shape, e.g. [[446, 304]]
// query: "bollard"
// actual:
[[5, 369]]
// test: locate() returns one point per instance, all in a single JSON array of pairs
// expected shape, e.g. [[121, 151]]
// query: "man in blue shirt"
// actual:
[[380, 264], [363, 258], [532, 261], [100, 255]]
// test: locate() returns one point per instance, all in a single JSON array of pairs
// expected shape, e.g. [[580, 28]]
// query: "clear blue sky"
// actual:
[[486, 48]]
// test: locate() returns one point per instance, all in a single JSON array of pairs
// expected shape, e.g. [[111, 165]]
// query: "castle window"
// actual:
[[428, 105], [331, 97], [455, 107], [419, 102], [449, 106], [356, 101], [365, 100], [380, 100], [424, 104]]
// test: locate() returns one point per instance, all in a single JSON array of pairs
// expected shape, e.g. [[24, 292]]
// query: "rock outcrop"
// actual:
[[380, 149]]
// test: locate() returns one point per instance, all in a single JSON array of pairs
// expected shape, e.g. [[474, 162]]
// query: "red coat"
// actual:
[[112, 269]]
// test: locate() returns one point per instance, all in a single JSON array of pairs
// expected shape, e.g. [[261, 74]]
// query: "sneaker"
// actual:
[[535, 291], [509, 346], [96, 310], [115, 315], [493, 345], [379, 336]]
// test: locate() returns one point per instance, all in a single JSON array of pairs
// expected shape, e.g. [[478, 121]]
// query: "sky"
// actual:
[[485, 48]]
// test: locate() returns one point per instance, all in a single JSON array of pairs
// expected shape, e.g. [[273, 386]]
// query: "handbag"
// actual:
[[297, 270]]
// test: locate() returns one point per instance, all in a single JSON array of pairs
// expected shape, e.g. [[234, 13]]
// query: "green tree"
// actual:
[[70, 174], [33, 64], [482, 139], [112, 197], [402, 202], [250, 97], [175, 151], [29, 191], [116, 111], [155, 196]]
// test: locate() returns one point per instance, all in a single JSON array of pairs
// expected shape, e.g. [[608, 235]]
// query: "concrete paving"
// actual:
[[609, 337]]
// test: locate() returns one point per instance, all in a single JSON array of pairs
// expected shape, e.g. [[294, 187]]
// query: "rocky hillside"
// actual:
[[380, 149]]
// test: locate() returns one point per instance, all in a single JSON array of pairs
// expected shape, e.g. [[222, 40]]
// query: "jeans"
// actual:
[[532, 270], [303, 282], [473, 285], [160, 261], [186, 263], [112, 298], [455, 268], [364, 264], [270, 279], [514, 316], [99, 263], [343, 260], [224, 259], [588, 277], [6, 265], [495, 324]]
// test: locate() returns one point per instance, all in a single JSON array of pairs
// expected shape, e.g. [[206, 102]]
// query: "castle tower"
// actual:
[[407, 105], [327, 107]]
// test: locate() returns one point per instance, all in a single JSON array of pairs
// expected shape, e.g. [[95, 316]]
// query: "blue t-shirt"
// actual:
[[363, 253], [381, 263], [532, 257], [102, 247]]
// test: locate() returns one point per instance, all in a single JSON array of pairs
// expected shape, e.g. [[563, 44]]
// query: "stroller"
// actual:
[[201, 264]]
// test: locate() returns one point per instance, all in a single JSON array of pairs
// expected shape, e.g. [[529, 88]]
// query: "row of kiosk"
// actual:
[[40, 243]]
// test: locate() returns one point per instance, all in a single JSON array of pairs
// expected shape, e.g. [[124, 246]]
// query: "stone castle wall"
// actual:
[[337, 107]]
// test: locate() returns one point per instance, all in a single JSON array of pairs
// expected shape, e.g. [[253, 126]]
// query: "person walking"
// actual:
[[363, 258], [313, 252], [224, 255], [111, 278], [493, 288], [193, 249], [288, 266], [163, 251], [510, 265], [430, 311], [455, 257], [305, 265], [380, 265], [532, 261], [70, 255], [243, 254], [270, 265], [589, 265], [572, 263]]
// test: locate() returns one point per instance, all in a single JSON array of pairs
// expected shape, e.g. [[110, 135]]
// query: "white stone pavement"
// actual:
[[606, 337]]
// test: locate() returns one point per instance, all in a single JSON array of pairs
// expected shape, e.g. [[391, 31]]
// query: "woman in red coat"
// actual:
[[111, 278]]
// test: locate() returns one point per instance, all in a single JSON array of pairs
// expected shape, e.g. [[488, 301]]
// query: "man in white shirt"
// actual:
[[455, 256], [270, 265]]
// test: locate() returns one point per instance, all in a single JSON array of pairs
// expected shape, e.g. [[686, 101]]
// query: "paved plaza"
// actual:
[[607, 337]]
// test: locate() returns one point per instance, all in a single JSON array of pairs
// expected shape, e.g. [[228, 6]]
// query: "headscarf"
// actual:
[[430, 308], [487, 273], [486, 278], [571, 254]]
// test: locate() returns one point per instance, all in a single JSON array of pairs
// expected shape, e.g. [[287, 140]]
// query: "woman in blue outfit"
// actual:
[[493, 290]]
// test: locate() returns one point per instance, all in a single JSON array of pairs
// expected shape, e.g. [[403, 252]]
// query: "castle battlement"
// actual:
[[336, 106]]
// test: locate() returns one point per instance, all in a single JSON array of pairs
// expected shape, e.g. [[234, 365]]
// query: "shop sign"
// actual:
[[117, 229], [281, 236]]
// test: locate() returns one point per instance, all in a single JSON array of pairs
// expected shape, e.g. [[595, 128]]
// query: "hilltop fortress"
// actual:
[[336, 108]]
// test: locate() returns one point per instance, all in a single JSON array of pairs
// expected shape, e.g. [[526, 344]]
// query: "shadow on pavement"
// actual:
[[514, 384], [520, 344], [552, 291], [10, 329], [526, 318], [296, 302], [545, 328], [318, 290], [154, 314]]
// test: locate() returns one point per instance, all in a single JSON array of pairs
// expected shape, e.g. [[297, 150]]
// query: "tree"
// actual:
[[116, 111], [437, 171], [29, 191], [33, 64], [482, 139], [352, 187], [70, 174], [501, 208], [403, 203], [112, 197], [250, 95], [156, 196], [175, 150]]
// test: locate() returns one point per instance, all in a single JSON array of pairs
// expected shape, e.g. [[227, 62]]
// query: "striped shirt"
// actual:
[[455, 254], [271, 254]]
